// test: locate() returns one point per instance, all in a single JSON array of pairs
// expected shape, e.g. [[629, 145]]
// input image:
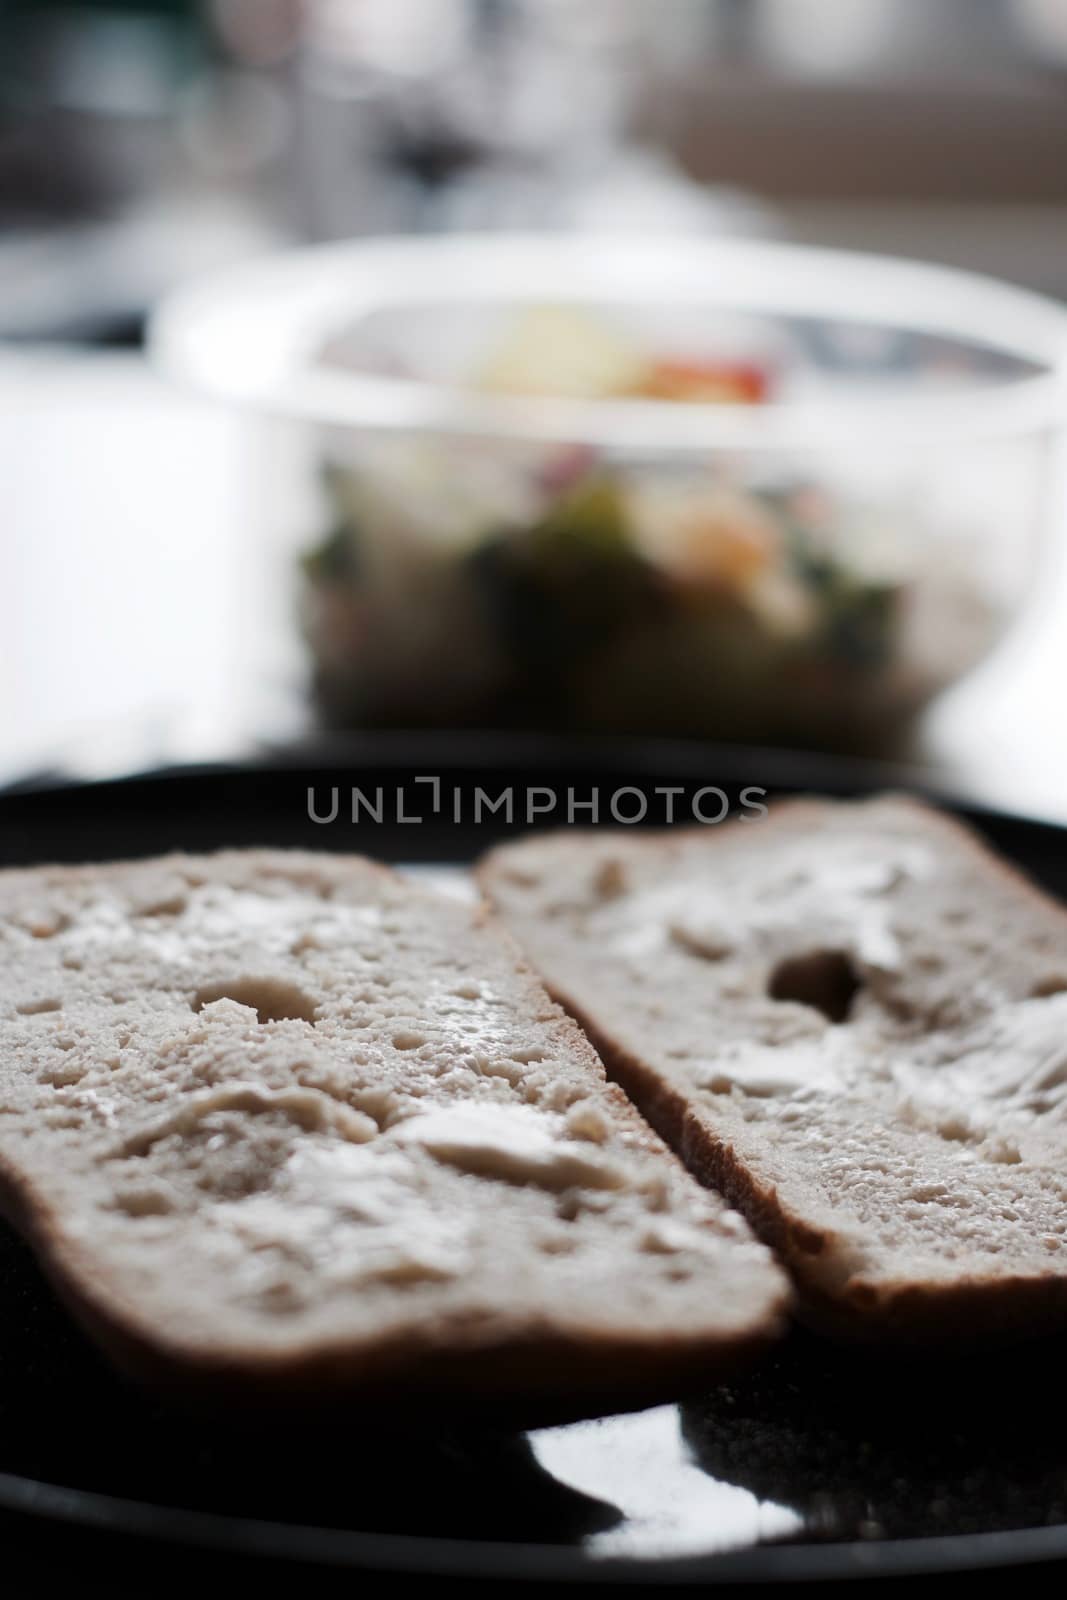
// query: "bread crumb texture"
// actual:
[[259, 1104], [854, 1007]]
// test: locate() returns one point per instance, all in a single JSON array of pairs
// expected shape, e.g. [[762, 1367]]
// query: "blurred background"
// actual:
[[154, 542]]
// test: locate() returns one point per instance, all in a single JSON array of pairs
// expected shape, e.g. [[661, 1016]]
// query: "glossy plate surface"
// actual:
[[822, 1462]]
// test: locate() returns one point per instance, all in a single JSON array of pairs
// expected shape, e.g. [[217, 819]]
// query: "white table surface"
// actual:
[[143, 615]]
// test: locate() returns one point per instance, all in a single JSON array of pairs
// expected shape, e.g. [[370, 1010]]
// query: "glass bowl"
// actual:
[[679, 486]]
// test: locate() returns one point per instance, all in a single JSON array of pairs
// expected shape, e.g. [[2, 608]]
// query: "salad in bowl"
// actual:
[[748, 491]]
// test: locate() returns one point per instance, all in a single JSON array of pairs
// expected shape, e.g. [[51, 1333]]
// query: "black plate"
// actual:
[[822, 1463]]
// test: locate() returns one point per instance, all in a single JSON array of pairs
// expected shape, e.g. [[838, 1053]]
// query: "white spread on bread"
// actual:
[[516, 1143]]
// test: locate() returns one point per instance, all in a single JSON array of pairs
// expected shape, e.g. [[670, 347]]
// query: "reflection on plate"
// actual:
[[667, 1504]]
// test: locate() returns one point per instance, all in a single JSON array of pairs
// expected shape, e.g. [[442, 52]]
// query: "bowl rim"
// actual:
[[254, 335]]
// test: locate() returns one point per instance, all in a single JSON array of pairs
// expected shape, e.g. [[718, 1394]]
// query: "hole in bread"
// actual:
[[46, 924], [825, 980], [37, 1008], [62, 1074], [1046, 987], [557, 1244], [146, 1201], [272, 999], [171, 905]]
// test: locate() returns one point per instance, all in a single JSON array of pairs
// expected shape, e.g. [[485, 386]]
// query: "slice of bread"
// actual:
[[850, 1018], [287, 1124]]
